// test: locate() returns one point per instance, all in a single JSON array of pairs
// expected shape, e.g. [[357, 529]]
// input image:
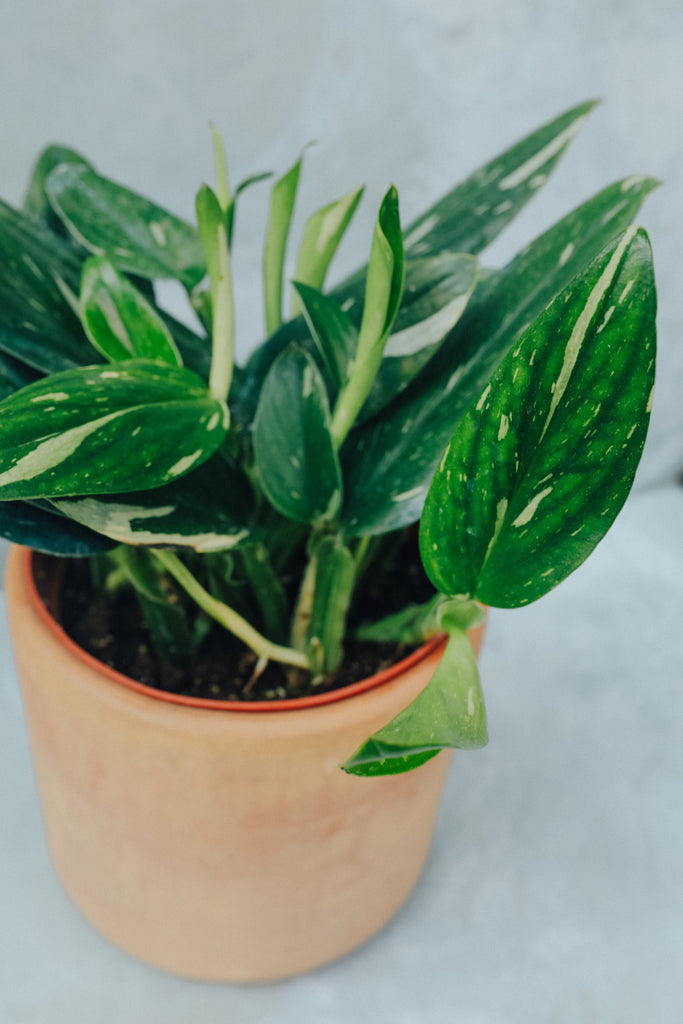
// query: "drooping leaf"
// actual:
[[469, 217], [39, 284], [295, 457], [323, 232], [120, 323], [43, 529], [539, 468], [400, 450], [281, 208], [106, 430], [449, 712], [135, 234], [209, 509]]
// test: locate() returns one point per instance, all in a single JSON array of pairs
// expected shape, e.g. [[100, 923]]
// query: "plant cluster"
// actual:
[[504, 409]]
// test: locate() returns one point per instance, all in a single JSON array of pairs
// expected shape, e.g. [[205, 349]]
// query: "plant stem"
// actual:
[[226, 616]]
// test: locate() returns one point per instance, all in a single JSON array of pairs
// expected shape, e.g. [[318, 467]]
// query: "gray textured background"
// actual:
[[554, 891]]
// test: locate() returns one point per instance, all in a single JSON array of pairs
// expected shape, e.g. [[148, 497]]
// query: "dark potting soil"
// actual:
[[113, 631]]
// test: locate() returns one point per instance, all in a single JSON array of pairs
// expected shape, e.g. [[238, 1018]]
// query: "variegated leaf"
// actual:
[[119, 321], [282, 200], [322, 235], [399, 451], [539, 468], [138, 236], [106, 430], [210, 509], [469, 217], [39, 284], [43, 529], [295, 457]]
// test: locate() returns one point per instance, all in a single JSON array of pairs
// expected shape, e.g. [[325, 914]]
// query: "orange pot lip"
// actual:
[[247, 707]]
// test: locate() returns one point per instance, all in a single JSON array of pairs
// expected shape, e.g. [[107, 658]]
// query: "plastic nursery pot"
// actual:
[[213, 842]]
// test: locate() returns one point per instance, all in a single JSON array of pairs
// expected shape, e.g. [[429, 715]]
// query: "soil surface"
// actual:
[[223, 668]]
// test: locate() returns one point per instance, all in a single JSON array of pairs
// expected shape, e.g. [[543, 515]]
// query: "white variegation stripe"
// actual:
[[52, 452], [421, 230], [115, 520], [428, 331], [582, 325], [534, 163]]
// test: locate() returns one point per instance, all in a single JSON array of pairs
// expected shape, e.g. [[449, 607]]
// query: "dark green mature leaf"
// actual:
[[106, 430], [294, 453], [335, 335], [136, 235], [210, 509], [39, 284], [23, 522], [389, 461], [36, 204], [14, 375], [449, 712], [119, 321], [539, 468], [469, 217]]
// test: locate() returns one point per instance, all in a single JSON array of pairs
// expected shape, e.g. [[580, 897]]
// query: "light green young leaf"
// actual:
[[118, 320], [136, 235], [383, 293], [334, 576], [323, 232], [211, 218], [294, 454], [107, 429], [449, 712], [539, 468], [281, 208]]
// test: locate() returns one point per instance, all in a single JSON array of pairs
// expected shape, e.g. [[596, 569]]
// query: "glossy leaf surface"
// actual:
[[334, 333], [295, 457], [105, 430], [210, 509], [138, 236], [400, 450], [23, 522], [39, 288], [119, 321], [539, 468]]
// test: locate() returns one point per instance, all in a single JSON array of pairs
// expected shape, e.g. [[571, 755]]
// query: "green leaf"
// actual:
[[323, 232], [253, 179], [335, 335], [469, 217], [281, 208], [541, 465], [33, 526], [295, 457], [383, 292], [39, 285], [389, 461], [213, 231], [209, 509], [36, 204], [119, 322], [105, 430], [136, 235], [449, 712]]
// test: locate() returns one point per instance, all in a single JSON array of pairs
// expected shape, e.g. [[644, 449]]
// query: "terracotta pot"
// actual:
[[212, 842]]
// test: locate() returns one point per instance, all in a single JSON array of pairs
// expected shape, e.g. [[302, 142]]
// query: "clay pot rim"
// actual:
[[248, 707]]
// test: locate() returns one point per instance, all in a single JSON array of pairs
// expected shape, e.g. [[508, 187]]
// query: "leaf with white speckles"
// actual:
[[111, 429], [295, 456], [138, 236], [538, 469], [119, 321]]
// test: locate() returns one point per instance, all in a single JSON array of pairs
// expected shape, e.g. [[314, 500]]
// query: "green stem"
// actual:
[[225, 615], [223, 333]]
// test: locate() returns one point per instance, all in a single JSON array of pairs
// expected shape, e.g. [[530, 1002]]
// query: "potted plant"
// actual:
[[268, 513]]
